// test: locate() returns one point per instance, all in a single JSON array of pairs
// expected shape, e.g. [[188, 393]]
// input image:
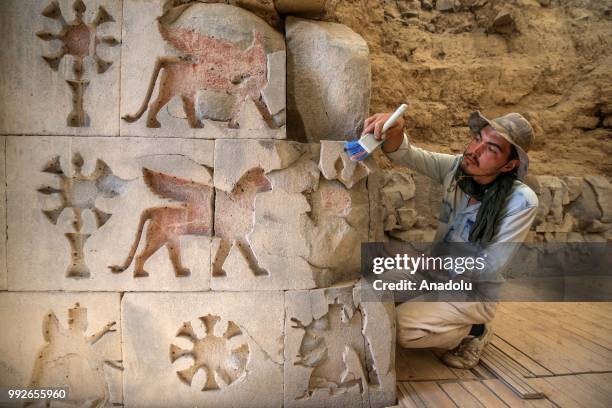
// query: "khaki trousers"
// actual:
[[439, 324]]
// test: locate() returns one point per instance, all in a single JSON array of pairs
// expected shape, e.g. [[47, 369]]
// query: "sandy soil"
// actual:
[[552, 63]]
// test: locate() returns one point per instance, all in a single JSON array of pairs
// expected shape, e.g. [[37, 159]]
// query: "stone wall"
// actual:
[[213, 129], [182, 225]]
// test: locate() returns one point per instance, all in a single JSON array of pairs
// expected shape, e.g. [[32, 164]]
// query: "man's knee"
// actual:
[[409, 323], [411, 337], [424, 325]]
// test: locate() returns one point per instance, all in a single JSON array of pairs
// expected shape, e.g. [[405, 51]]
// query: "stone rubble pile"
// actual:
[[571, 208]]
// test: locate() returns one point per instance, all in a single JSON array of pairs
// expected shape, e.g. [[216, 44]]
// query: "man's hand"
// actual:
[[394, 135]]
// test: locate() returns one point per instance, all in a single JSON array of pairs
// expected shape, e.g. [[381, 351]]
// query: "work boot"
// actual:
[[468, 353]]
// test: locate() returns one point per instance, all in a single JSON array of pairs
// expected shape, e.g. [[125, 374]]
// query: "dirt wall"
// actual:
[[547, 59]]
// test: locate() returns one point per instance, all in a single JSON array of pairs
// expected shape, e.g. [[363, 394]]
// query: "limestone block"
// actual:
[[603, 190], [574, 237], [409, 216], [190, 51], [60, 64], [397, 191], [335, 164], [203, 349], [594, 238], [233, 158], [281, 225], [428, 200], [274, 96], [377, 212], [68, 340], [328, 81], [597, 226], [409, 8], [341, 219], [379, 331], [262, 8], [338, 351], [3, 280], [79, 206]]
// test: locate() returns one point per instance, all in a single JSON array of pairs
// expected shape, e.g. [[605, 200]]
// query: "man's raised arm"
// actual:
[[398, 149]]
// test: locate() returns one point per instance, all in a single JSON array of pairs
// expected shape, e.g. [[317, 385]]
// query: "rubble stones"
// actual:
[[585, 208], [311, 8], [503, 23], [603, 190], [427, 4], [570, 208], [445, 5]]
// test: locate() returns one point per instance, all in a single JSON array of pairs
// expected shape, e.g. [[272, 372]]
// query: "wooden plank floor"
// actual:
[[563, 350]]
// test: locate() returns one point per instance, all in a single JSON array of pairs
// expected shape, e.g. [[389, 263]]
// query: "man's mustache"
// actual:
[[472, 157]]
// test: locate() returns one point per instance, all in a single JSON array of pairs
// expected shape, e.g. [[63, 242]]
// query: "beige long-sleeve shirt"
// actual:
[[457, 217]]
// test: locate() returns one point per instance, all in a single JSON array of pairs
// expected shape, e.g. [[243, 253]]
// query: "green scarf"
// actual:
[[491, 197]]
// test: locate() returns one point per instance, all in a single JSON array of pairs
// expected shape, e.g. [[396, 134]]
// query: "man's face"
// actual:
[[487, 154]]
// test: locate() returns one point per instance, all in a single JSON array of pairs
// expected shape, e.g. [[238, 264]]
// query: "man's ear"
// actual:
[[511, 165]]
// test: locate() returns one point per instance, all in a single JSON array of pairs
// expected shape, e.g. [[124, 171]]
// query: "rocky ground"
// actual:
[[548, 59]]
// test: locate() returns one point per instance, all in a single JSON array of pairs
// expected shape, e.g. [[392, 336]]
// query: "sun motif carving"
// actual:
[[79, 193], [222, 362], [79, 40]]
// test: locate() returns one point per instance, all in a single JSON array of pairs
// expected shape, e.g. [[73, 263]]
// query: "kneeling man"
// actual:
[[485, 202]]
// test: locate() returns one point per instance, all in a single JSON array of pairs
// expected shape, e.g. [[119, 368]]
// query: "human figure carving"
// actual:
[[329, 358], [69, 359]]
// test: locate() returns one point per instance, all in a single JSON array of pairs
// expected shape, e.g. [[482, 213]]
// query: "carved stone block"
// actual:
[[338, 351], [82, 210], [59, 71], [204, 349], [279, 224], [68, 340], [335, 164], [328, 81], [201, 71]]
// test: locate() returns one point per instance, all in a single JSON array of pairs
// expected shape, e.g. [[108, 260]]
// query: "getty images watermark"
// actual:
[[551, 272], [404, 263]]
